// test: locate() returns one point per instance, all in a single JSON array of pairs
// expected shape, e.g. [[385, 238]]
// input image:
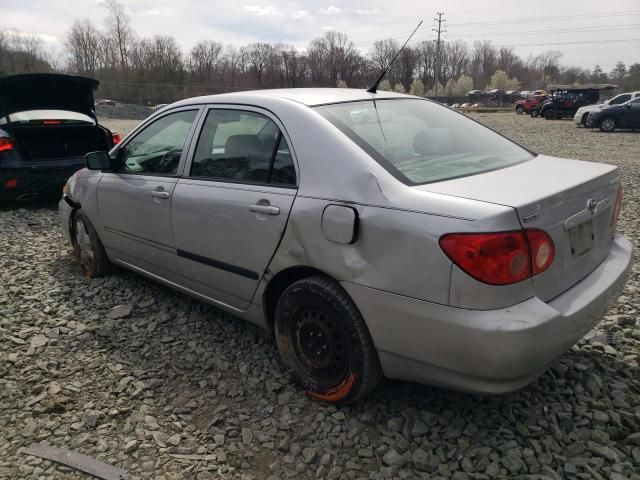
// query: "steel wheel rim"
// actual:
[[608, 124], [85, 248], [321, 345]]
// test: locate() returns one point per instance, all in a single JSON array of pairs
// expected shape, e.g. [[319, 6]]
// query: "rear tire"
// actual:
[[88, 248], [520, 110], [324, 342], [607, 124]]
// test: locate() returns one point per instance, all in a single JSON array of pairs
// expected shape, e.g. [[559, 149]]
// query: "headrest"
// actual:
[[242, 146]]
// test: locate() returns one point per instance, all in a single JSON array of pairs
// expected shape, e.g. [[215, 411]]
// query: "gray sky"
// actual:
[[297, 22]]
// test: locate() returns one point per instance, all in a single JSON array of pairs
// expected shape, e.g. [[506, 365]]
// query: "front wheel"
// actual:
[[88, 248], [519, 109], [607, 124], [549, 114], [324, 342]]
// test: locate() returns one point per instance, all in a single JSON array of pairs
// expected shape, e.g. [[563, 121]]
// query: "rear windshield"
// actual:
[[420, 141], [40, 116]]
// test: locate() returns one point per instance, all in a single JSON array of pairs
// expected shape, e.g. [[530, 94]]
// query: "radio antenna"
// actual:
[[374, 88]]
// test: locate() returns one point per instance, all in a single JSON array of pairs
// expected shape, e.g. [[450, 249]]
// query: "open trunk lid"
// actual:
[[47, 91], [571, 200]]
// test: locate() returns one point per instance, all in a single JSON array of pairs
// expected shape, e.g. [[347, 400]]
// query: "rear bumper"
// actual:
[[38, 178], [493, 351]]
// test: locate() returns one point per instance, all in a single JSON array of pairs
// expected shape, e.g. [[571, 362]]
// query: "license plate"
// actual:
[[582, 238]]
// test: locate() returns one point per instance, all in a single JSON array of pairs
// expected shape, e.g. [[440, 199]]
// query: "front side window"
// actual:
[[419, 141], [242, 146], [157, 149]]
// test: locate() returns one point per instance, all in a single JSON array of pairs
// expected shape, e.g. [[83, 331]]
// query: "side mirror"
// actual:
[[628, 105], [607, 102], [98, 161]]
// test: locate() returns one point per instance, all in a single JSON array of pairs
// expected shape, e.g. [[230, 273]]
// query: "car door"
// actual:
[[134, 200], [230, 208], [630, 114]]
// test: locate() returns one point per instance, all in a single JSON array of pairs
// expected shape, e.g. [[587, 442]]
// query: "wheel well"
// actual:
[[279, 283]]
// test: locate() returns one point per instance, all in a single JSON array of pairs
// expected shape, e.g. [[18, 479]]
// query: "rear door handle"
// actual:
[[265, 209], [160, 194]]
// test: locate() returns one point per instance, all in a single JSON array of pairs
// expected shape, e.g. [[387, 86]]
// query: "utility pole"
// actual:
[[437, 68]]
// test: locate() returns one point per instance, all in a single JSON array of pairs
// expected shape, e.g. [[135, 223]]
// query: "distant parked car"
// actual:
[[371, 233], [583, 112], [47, 125], [614, 117], [565, 100], [525, 105], [104, 101]]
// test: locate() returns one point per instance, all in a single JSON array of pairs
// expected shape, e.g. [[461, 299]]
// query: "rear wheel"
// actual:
[[607, 124], [519, 109], [549, 114], [88, 247], [324, 342]]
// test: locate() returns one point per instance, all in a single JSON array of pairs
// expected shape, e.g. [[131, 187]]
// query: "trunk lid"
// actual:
[[571, 200], [47, 91]]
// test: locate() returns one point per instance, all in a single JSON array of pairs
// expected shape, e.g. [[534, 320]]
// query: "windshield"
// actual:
[[419, 141], [39, 116]]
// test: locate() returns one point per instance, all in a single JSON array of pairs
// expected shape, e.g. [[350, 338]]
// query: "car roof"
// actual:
[[306, 96]]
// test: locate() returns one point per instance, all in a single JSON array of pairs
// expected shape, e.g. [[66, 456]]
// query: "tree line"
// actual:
[[156, 70]]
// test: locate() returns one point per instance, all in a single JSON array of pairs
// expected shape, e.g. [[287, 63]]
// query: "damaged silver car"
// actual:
[[375, 234]]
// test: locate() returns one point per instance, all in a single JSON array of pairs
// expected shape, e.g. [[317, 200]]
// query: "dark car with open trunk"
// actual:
[[47, 125]]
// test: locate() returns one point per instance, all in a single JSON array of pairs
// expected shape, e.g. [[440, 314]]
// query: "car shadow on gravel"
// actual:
[[159, 351]]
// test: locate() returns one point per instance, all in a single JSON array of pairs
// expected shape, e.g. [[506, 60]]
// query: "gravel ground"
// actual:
[[123, 110], [137, 375]]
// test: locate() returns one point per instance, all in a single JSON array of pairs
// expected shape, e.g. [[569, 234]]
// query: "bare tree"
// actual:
[[119, 26], [205, 59], [548, 62]]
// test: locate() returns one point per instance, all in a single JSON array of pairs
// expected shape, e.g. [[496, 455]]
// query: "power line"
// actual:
[[549, 19], [604, 28], [572, 43], [512, 21]]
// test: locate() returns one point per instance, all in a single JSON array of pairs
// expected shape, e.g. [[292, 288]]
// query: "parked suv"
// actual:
[[583, 112], [567, 99], [47, 125], [525, 105]]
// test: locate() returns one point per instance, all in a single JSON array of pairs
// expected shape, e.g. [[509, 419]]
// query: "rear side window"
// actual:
[[419, 141], [242, 146], [620, 99]]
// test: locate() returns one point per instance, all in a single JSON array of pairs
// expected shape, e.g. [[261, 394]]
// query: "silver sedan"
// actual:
[[373, 234]]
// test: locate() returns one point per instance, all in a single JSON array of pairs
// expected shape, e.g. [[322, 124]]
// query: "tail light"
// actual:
[[500, 258], [51, 122], [116, 138], [6, 144], [616, 208], [12, 183]]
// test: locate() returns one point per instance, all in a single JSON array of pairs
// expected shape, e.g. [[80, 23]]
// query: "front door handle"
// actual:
[[160, 194], [265, 209]]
